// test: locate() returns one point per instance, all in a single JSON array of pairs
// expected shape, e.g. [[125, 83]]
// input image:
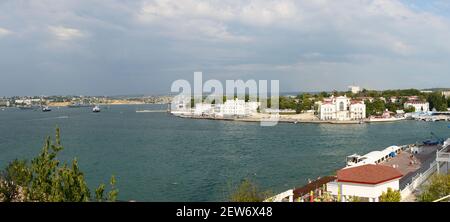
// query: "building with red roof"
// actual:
[[367, 182]]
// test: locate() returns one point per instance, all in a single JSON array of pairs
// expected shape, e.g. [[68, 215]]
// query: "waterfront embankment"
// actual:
[[293, 118]]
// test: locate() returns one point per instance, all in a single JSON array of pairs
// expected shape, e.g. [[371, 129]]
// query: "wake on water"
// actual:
[[58, 117]]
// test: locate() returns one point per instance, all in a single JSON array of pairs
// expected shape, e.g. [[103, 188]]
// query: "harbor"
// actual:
[[308, 119], [339, 109], [195, 160]]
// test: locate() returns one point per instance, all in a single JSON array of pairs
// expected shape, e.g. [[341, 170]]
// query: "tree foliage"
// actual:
[[376, 107], [247, 191], [410, 109], [287, 103], [46, 179], [438, 187], [390, 196], [437, 101]]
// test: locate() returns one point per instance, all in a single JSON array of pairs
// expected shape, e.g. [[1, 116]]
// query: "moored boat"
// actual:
[[46, 109], [375, 157], [390, 119], [96, 109]]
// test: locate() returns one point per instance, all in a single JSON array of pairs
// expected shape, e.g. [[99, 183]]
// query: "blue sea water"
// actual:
[[159, 157]]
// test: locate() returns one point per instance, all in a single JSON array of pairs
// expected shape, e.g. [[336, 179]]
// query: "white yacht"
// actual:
[[375, 157], [96, 109], [46, 109]]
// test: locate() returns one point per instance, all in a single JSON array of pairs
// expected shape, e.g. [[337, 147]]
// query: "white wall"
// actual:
[[419, 106], [238, 107], [334, 110], [327, 112], [358, 111], [203, 108], [362, 190], [289, 195]]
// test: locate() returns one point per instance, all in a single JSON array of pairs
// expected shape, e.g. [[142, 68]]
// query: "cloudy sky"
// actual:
[[126, 47]]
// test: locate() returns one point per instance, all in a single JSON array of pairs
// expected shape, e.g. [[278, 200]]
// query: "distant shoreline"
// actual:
[[105, 104]]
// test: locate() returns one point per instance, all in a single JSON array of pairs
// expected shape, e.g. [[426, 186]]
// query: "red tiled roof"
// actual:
[[368, 174], [299, 192]]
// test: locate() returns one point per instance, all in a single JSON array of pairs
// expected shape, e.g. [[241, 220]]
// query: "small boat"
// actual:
[[431, 142], [46, 109], [389, 119], [96, 109]]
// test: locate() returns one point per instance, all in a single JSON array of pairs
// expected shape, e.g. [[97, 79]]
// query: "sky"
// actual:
[[118, 47]]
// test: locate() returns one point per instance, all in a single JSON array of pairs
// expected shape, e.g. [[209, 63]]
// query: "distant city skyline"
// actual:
[[141, 47]]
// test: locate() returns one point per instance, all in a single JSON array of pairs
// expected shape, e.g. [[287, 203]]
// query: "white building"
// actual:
[[446, 94], [354, 89], [419, 106], [342, 108], [394, 99], [4, 102], [357, 110], [202, 109], [181, 106], [237, 107], [367, 182]]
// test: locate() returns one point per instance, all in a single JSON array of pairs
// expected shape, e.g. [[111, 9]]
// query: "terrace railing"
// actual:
[[418, 180], [443, 198], [443, 156]]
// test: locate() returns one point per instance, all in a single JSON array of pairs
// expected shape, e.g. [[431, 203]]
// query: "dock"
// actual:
[[410, 164]]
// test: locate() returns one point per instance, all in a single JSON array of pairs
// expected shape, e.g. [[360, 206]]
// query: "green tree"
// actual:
[[393, 107], [247, 191], [437, 101], [324, 95], [390, 196], [377, 107], [46, 179], [305, 102], [410, 109], [14, 176], [287, 103], [438, 187]]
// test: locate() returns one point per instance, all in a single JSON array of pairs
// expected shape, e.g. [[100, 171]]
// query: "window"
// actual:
[[341, 106]]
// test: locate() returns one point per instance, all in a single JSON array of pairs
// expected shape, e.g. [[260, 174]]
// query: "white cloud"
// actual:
[[4, 32], [364, 24], [286, 38], [252, 12], [64, 33], [187, 12]]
